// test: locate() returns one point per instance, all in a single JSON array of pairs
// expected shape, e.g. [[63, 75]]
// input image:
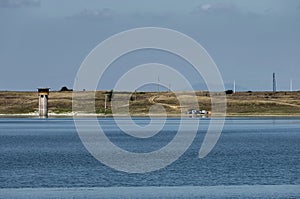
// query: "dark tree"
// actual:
[[229, 92], [64, 88]]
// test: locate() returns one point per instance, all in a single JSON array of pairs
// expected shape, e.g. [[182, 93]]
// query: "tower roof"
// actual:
[[43, 90]]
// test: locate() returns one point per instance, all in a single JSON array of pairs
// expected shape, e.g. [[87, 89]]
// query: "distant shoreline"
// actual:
[[91, 115], [239, 104]]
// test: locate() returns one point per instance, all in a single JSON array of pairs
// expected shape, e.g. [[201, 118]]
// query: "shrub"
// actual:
[[229, 92]]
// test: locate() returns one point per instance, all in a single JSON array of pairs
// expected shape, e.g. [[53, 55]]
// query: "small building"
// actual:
[[43, 102]]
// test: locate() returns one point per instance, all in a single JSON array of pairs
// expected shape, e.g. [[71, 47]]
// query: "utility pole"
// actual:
[[274, 83], [233, 86], [158, 83], [291, 85], [105, 102]]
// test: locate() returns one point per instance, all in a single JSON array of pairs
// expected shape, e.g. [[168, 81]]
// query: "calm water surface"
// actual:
[[47, 153]]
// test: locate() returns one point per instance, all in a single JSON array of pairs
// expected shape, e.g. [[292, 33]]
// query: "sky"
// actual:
[[44, 42]]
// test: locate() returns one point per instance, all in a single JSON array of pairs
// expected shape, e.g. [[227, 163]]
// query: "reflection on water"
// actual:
[[48, 153]]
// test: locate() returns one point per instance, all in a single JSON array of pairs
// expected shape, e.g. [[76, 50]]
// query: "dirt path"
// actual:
[[281, 103], [152, 101]]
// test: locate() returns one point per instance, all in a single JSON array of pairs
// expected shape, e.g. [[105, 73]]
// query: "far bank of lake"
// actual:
[[25, 104]]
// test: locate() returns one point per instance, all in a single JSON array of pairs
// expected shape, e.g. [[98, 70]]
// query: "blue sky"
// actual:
[[43, 42]]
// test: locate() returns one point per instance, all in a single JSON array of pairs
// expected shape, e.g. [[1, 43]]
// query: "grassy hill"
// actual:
[[238, 104]]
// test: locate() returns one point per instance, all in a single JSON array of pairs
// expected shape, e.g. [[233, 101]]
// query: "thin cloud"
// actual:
[[165, 16], [104, 13], [19, 3], [215, 8]]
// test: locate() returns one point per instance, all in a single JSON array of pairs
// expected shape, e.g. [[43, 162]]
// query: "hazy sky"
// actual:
[[43, 42]]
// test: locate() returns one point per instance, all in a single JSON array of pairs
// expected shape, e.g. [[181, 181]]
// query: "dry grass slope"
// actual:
[[238, 104]]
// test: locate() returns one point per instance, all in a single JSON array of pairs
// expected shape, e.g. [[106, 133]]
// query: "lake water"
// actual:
[[256, 157]]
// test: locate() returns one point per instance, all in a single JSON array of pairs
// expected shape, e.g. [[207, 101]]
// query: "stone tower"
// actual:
[[43, 102]]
